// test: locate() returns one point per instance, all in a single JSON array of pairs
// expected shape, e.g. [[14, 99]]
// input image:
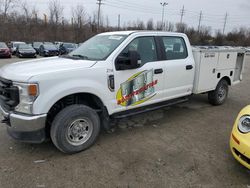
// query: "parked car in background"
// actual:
[[48, 50], [66, 48], [58, 43], [4, 50], [25, 50], [36, 46], [13, 45]]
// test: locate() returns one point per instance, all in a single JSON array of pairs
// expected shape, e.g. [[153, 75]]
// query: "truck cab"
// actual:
[[112, 75]]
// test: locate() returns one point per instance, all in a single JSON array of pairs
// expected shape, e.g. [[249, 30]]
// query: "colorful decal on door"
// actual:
[[137, 89]]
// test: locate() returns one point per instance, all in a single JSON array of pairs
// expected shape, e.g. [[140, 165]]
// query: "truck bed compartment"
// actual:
[[214, 64]]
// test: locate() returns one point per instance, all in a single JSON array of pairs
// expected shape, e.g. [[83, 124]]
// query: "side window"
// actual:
[[175, 48], [145, 47]]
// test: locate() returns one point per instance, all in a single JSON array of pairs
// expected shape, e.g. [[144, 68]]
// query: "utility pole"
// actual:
[[45, 18], [200, 18], [63, 27], [163, 4], [182, 13], [225, 23], [99, 3], [119, 22]]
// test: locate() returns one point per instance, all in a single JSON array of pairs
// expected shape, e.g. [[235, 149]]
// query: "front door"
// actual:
[[144, 85]]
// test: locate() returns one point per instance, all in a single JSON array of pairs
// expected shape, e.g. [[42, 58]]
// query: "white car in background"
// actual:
[[13, 45]]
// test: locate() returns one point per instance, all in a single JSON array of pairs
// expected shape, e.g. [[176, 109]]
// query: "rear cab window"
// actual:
[[175, 48]]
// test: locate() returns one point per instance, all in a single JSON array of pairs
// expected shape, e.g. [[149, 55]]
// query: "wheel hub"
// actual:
[[79, 131], [221, 93]]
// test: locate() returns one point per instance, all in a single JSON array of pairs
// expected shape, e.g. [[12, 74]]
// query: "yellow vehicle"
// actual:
[[240, 138]]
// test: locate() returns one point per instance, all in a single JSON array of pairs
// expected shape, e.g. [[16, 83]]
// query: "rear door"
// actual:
[[180, 67]]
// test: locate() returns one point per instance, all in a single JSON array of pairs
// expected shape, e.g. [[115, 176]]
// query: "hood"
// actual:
[[4, 49], [26, 50], [23, 71], [51, 49], [70, 49]]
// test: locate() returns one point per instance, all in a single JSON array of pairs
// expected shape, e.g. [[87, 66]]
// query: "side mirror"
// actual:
[[130, 62]]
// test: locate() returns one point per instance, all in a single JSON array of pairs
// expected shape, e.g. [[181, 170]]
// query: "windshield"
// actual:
[[49, 46], [17, 44], [98, 47], [49, 43], [37, 44], [69, 45], [3, 45], [24, 46]]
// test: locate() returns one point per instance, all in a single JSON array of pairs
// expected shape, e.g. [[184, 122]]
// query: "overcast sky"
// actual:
[[213, 11]]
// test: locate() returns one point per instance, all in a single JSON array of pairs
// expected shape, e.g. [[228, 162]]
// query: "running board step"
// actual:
[[148, 108]]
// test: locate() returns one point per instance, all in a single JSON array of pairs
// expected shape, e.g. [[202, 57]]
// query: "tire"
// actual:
[[219, 95], [67, 131]]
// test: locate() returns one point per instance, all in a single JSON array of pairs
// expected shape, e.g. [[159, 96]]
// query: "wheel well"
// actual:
[[79, 98], [227, 79]]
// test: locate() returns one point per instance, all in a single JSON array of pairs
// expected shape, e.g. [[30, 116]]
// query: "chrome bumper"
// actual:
[[24, 123]]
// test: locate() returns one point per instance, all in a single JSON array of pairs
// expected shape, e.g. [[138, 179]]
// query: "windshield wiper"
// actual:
[[80, 56], [74, 56]]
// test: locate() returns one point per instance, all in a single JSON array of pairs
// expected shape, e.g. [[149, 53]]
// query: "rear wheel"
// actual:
[[219, 95], [75, 128]]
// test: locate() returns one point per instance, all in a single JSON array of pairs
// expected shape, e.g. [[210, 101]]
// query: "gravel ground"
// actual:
[[183, 146]]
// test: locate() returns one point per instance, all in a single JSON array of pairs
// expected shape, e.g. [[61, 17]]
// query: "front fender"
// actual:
[[56, 91]]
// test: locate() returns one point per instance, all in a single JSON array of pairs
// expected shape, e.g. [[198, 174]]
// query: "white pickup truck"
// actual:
[[112, 75]]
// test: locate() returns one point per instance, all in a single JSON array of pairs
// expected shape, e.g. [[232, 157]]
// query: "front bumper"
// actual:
[[5, 54], [26, 128], [240, 148], [27, 54], [52, 53]]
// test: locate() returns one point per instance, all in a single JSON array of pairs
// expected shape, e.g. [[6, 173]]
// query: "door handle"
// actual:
[[189, 67], [158, 71]]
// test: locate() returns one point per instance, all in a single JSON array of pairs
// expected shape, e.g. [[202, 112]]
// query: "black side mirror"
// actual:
[[128, 62]]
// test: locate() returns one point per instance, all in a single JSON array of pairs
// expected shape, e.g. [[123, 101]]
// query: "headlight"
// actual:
[[27, 96], [244, 124]]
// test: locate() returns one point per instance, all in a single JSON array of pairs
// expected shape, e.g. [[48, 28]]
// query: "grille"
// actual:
[[9, 94], [240, 155]]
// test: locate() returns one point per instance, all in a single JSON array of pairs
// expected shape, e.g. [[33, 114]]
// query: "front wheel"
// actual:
[[75, 128], [219, 95]]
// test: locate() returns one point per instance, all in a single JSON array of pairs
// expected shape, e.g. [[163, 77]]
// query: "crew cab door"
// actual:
[[144, 83], [180, 66]]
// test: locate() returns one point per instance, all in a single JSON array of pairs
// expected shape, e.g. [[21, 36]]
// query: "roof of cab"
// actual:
[[141, 31]]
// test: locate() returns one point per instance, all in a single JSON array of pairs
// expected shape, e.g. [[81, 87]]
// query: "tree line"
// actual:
[[20, 22]]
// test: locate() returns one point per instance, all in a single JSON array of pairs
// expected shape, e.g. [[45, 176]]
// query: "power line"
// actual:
[[131, 9]]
